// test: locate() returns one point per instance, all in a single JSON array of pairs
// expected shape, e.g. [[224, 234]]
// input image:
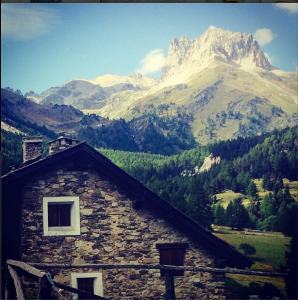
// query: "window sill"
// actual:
[[63, 230]]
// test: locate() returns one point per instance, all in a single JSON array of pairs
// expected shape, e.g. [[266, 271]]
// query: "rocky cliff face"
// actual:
[[209, 162], [238, 49]]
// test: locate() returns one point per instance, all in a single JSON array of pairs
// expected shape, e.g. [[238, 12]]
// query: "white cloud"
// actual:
[[269, 57], [152, 62], [291, 8], [26, 22], [264, 36]]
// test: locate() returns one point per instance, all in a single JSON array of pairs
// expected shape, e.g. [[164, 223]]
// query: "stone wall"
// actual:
[[112, 232]]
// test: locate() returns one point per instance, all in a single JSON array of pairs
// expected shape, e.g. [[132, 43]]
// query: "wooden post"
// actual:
[[17, 282], [45, 288], [170, 287], [10, 291]]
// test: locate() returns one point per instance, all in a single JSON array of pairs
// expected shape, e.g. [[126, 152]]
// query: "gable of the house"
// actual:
[[79, 208]]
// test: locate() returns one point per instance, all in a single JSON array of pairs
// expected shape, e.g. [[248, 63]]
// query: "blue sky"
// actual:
[[44, 45]]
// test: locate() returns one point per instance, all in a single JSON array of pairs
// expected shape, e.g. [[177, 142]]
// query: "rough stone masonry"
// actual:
[[112, 232]]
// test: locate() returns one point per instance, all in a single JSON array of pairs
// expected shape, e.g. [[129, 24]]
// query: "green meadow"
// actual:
[[270, 255]]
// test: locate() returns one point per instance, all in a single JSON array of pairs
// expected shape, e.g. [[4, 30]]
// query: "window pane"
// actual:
[[53, 215], [65, 215], [59, 215], [85, 284]]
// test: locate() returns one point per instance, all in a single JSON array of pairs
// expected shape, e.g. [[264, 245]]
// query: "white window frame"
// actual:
[[98, 286], [74, 228]]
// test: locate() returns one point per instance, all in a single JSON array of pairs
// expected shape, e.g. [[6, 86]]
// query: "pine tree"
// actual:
[[287, 196], [219, 215], [268, 206], [252, 194], [287, 218], [241, 216], [229, 215], [236, 215], [251, 190], [265, 180], [199, 205]]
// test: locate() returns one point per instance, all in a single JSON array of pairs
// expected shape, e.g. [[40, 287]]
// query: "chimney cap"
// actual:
[[32, 139], [61, 138]]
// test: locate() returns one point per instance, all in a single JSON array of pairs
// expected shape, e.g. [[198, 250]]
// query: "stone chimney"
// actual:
[[60, 144], [31, 148]]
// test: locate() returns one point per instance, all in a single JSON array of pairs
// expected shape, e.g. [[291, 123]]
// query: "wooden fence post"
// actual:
[[170, 287], [17, 282], [10, 290], [45, 288]]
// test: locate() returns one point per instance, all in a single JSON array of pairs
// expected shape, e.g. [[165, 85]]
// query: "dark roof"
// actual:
[[219, 247]]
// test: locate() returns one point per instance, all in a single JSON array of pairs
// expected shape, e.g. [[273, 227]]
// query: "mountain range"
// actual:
[[221, 85]]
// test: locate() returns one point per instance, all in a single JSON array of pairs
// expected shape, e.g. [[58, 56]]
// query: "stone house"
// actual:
[[76, 207]]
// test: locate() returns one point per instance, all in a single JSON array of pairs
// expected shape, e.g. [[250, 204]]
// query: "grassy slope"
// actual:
[[270, 249], [225, 198], [269, 256]]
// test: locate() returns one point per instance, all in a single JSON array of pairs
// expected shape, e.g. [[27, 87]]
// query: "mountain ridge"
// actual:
[[215, 44], [150, 133], [221, 82]]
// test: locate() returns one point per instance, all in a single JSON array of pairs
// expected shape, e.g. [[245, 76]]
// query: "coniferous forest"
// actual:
[[271, 157]]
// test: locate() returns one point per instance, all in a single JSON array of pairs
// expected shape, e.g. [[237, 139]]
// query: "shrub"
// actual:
[[247, 248]]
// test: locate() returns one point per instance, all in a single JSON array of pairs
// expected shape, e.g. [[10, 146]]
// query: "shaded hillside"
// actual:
[[153, 133], [16, 107], [90, 94], [150, 133]]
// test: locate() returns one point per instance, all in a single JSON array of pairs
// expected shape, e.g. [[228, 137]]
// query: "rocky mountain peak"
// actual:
[[183, 39], [238, 49], [175, 41]]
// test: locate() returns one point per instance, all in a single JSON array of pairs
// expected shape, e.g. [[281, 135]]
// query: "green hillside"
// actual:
[[270, 256]]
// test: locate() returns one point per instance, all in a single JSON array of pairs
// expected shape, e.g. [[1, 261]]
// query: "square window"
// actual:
[[85, 284], [61, 216], [172, 254], [88, 282]]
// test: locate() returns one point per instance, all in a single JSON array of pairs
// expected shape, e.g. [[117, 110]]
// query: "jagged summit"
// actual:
[[238, 49]]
